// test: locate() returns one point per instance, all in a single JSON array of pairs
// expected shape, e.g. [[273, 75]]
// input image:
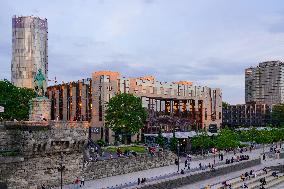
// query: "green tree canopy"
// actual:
[[160, 139], [15, 101], [264, 137], [278, 114], [173, 143], [225, 104], [125, 114], [227, 139], [201, 141]]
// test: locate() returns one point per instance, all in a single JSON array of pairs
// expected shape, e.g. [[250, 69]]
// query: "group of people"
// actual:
[[221, 156], [226, 185], [79, 182], [228, 161], [141, 181], [243, 157], [248, 175], [237, 159]]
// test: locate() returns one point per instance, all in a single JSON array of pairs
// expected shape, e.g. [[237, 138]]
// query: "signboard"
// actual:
[[213, 128], [95, 130], [1, 109]]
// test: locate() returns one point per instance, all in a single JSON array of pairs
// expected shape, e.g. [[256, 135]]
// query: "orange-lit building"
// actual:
[[200, 105]]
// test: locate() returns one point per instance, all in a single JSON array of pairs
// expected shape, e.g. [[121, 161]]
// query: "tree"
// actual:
[[201, 141], [15, 101], [263, 137], [278, 114], [160, 140], [173, 143], [100, 142], [226, 139], [225, 104], [125, 114]]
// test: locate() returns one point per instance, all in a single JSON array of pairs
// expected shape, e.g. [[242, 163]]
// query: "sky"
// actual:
[[208, 42]]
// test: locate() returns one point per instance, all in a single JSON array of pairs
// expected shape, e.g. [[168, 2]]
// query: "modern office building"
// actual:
[[265, 83], [29, 50], [192, 107], [246, 115]]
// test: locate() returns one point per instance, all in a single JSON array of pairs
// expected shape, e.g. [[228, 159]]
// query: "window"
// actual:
[[101, 79], [107, 79], [100, 113]]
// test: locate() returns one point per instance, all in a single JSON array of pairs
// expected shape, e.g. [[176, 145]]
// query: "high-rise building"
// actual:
[[29, 51], [265, 83]]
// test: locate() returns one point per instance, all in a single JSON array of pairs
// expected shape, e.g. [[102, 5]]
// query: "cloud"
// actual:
[[207, 42]]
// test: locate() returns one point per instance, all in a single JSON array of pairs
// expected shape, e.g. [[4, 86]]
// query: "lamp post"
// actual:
[[61, 169], [178, 153]]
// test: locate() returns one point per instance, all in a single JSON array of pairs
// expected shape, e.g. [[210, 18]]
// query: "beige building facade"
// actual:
[[197, 107], [201, 105]]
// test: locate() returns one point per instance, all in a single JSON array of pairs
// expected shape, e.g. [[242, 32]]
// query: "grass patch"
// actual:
[[137, 149]]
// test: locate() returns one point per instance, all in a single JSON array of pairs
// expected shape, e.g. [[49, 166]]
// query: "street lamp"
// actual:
[[61, 169], [178, 153], [178, 145]]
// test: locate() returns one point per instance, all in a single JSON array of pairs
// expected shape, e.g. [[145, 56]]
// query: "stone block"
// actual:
[[40, 108]]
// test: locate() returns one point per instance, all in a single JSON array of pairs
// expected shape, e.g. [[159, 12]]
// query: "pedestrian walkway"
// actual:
[[202, 184], [115, 181]]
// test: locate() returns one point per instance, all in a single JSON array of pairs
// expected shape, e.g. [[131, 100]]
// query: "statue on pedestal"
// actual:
[[39, 83], [40, 106]]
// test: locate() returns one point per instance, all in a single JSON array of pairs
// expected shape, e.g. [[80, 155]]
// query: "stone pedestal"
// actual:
[[40, 108]]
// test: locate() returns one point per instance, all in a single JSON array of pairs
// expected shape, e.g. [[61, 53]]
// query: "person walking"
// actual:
[[77, 182], [188, 166], [82, 181], [263, 157], [139, 181]]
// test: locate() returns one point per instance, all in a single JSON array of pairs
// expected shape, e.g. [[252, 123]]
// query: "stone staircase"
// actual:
[[254, 182]]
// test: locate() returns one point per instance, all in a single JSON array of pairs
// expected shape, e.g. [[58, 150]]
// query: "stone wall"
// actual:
[[189, 179], [101, 169], [8, 141], [40, 148], [27, 173], [279, 168]]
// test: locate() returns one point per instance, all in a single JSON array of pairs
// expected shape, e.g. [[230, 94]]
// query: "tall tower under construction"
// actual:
[[29, 51]]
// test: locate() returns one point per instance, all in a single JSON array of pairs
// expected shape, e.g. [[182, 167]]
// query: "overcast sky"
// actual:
[[209, 42]]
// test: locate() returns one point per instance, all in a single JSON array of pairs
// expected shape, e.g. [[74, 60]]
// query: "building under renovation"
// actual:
[[29, 51]]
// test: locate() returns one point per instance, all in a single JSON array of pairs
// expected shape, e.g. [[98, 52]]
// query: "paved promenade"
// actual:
[[214, 180], [156, 172]]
